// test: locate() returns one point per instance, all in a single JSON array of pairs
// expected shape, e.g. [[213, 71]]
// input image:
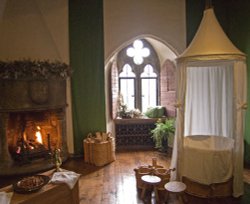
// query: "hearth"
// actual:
[[34, 134], [32, 117]]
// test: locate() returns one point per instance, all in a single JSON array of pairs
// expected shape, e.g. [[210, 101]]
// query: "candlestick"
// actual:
[[48, 140], [154, 161]]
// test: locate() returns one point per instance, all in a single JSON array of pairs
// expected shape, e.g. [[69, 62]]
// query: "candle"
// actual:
[[154, 161]]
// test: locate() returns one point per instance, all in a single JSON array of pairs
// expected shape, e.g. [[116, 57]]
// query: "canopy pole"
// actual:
[[208, 4]]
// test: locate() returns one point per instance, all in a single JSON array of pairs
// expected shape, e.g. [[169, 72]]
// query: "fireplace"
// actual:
[[32, 123], [34, 135]]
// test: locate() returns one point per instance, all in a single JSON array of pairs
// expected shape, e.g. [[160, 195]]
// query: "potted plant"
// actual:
[[161, 133]]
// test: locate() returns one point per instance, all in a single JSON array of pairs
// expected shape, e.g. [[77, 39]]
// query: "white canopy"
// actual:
[[213, 55], [210, 40]]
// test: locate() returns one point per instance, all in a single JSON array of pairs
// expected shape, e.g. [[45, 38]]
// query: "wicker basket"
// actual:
[[87, 147], [99, 152], [215, 190], [139, 172]]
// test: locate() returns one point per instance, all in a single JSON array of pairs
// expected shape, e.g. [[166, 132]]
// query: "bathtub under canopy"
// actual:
[[211, 103]]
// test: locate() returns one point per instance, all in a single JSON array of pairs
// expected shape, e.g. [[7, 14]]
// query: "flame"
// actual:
[[24, 136], [39, 135]]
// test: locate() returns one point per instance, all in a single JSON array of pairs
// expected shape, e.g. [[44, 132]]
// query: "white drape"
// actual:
[[208, 159], [232, 86], [209, 100], [240, 93], [178, 139]]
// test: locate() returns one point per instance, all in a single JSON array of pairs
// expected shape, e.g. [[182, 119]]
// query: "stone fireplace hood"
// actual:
[[32, 95]]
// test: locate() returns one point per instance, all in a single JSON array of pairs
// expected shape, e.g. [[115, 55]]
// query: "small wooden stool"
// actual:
[[150, 180], [176, 187]]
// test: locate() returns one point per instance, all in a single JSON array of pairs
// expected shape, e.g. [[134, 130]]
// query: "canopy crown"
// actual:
[[210, 40]]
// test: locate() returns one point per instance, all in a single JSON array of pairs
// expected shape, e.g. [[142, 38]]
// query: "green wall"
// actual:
[[234, 17], [87, 61]]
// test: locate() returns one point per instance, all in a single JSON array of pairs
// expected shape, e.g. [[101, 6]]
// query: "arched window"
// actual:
[[127, 86], [138, 74], [148, 88]]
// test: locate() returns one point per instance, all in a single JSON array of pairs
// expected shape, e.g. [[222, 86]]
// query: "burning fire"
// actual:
[[31, 143], [39, 135]]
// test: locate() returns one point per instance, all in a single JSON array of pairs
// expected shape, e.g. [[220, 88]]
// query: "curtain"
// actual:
[[209, 100], [87, 62], [231, 86], [240, 90], [178, 139]]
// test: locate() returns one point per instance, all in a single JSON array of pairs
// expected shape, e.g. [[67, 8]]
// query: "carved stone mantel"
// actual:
[[32, 94]]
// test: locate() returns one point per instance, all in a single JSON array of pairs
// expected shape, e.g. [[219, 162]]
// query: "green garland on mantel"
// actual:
[[34, 69]]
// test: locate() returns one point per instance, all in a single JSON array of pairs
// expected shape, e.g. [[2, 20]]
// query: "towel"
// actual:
[[68, 177], [5, 197]]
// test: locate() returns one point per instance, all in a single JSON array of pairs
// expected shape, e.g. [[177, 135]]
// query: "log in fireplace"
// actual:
[[32, 124]]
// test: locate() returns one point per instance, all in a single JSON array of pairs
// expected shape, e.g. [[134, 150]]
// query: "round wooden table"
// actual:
[[176, 187], [150, 180]]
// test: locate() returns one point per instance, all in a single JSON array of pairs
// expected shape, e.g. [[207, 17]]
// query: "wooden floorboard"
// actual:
[[115, 183]]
